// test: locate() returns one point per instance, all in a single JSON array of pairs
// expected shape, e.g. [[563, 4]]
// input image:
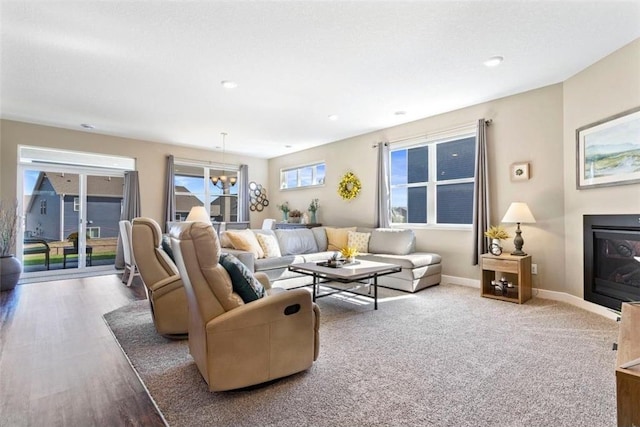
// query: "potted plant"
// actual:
[[10, 266], [496, 233], [285, 211], [313, 208], [294, 216]]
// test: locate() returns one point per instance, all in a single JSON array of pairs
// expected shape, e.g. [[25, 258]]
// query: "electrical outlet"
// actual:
[[534, 268]]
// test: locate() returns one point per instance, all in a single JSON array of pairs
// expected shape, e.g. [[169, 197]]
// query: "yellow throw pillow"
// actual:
[[269, 245], [360, 241], [245, 240], [338, 238]]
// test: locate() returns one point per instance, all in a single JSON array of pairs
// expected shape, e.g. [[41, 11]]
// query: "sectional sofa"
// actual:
[[272, 251]]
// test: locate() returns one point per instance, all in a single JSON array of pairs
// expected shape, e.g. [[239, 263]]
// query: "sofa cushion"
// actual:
[[392, 241], [269, 245], [360, 241], [320, 235], [245, 240], [265, 264], [296, 241], [243, 281], [411, 261], [337, 238]]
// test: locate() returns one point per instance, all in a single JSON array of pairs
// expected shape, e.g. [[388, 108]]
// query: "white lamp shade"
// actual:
[[198, 213], [518, 212]]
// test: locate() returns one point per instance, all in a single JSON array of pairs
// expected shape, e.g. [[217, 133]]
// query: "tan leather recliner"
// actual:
[[235, 344], [160, 275]]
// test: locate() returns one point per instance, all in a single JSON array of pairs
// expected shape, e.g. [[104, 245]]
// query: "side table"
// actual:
[[515, 269]]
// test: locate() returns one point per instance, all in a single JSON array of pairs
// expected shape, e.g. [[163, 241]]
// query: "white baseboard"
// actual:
[[541, 293]]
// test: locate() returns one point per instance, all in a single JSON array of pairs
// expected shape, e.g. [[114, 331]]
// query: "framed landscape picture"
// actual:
[[608, 151]]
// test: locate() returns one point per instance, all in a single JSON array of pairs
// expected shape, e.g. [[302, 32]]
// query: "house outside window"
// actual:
[[76, 204], [432, 181], [93, 232], [309, 175], [43, 207]]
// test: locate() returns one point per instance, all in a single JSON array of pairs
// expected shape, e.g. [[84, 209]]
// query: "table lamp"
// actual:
[[518, 212], [198, 213]]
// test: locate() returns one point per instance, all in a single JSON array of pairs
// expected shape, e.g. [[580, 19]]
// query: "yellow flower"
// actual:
[[496, 232], [349, 252]]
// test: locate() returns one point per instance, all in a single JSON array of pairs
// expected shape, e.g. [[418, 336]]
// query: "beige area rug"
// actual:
[[441, 357]]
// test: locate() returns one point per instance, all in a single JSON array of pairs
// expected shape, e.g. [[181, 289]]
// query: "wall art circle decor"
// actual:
[[349, 186], [257, 197]]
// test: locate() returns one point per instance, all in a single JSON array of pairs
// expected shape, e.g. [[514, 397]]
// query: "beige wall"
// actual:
[[608, 87], [526, 127], [150, 159]]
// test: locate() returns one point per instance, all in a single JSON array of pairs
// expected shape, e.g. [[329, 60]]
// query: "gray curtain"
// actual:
[[170, 196], [243, 193], [383, 199], [130, 209], [481, 211]]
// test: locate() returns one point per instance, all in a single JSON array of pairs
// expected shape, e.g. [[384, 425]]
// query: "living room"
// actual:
[[537, 126]]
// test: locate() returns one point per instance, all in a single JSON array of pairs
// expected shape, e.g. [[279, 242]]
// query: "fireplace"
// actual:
[[611, 259]]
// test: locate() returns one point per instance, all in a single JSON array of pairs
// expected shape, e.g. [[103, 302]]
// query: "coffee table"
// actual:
[[360, 272]]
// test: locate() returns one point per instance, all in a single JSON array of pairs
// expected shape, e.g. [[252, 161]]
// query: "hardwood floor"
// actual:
[[59, 363]]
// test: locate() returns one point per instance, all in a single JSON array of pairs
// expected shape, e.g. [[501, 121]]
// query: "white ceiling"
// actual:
[[152, 69]]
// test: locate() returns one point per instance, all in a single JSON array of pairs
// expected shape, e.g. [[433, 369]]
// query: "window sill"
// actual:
[[449, 227]]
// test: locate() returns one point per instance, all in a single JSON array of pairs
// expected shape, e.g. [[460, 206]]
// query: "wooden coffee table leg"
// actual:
[[315, 284]]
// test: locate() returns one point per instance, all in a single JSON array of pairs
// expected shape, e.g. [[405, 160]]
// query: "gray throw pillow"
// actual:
[[392, 241], [244, 282]]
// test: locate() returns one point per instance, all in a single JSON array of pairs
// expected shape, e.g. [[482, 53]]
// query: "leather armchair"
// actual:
[[235, 344], [160, 275]]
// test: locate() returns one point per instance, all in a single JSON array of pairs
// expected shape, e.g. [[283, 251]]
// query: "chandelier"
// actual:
[[222, 180]]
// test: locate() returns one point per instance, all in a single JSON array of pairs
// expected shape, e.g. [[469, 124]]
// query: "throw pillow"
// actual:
[[269, 245], [166, 246], [360, 241], [243, 281], [245, 240], [338, 238]]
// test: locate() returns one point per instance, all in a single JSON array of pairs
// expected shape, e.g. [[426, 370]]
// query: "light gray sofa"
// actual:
[[396, 246]]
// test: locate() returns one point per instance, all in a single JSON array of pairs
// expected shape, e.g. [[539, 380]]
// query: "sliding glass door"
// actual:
[[70, 219]]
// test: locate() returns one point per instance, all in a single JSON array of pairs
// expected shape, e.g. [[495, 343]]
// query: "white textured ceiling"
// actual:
[[152, 69]]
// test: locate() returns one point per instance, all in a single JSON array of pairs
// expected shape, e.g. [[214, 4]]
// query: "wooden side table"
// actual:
[[515, 269], [628, 379]]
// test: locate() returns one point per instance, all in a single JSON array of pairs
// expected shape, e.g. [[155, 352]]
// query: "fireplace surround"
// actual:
[[611, 259]]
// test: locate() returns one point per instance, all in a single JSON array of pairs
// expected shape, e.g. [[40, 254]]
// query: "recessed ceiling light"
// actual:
[[87, 126], [228, 84], [400, 113], [494, 61], [333, 117]]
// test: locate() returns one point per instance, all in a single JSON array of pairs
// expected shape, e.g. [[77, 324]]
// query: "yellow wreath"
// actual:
[[349, 186]]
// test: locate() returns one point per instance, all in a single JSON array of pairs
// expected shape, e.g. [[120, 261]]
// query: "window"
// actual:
[[93, 232], [193, 187], [432, 181], [302, 176], [43, 207], [76, 204]]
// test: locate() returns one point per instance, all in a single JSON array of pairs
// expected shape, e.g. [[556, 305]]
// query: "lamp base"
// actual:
[[518, 253]]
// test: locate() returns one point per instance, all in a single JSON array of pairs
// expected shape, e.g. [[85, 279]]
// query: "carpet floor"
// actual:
[[441, 357]]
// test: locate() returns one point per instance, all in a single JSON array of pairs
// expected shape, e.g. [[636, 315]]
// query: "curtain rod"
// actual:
[[435, 133]]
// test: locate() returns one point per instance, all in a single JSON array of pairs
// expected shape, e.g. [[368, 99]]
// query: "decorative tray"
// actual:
[[336, 264]]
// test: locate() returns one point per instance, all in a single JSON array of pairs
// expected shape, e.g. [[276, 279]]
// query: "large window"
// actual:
[[194, 186], [302, 176], [432, 181]]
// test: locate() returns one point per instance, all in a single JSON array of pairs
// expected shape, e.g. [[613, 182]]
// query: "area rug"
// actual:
[[441, 357]]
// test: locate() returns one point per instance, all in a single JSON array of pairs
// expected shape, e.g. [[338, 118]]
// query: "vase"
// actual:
[[313, 220], [496, 247], [294, 220], [285, 216], [10, 269]]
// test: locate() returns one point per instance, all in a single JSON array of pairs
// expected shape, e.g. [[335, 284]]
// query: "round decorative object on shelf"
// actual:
[[495, 247], [349, 186]]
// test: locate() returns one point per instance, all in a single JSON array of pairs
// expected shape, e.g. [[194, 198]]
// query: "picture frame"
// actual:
[[520, 171], [608, 151]]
